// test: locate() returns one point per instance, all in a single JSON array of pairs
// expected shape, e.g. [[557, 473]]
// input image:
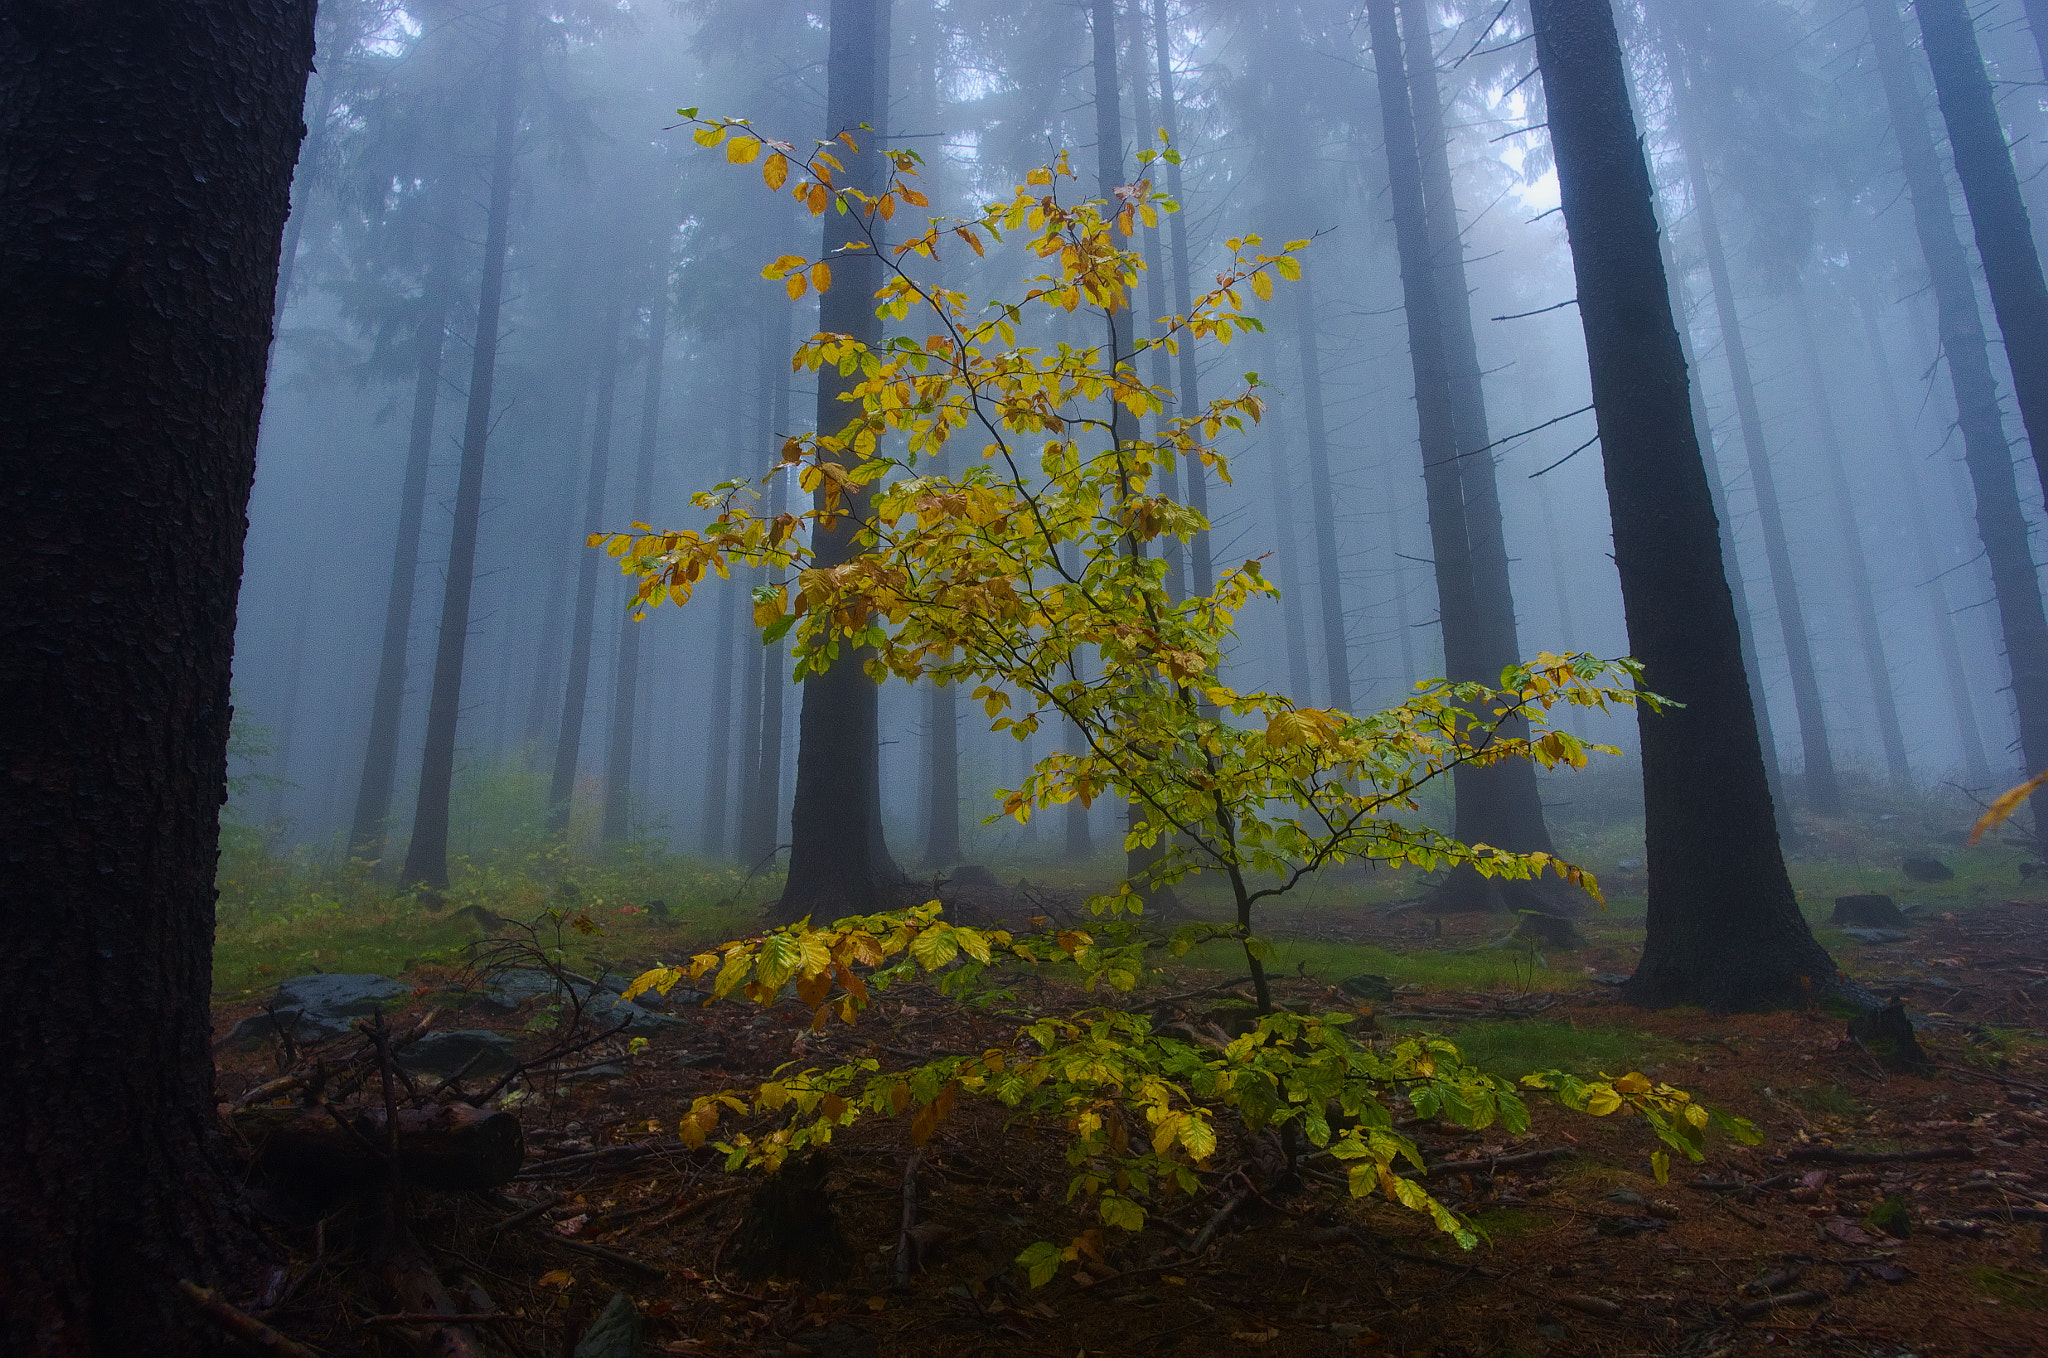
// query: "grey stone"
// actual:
[[320, 1006], [607, 1071], [607, 1010], [441, 1055], [616, 1333], [1607, 978], [1867, 909], [1922, 869], [1368, 987], [1878, 935]]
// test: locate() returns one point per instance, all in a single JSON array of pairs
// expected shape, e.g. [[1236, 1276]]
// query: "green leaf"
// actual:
[[1041, 1261]]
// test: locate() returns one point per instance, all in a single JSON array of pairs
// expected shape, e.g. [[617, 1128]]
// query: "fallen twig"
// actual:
[[240, 1324], [619, 1257], [1750, 1310]]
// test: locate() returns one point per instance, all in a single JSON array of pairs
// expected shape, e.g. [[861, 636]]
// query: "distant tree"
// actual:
[[426, 856], [1724, 928], [137, 321], [1998, 215]]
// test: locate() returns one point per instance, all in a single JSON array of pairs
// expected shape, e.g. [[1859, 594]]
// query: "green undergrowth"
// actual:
[[1487, 969], [2012, 1286], [1513, 1047]]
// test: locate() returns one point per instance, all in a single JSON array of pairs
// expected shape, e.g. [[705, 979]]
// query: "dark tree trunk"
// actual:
[[1161, 364], [1976, 768], [1322, 507], [838, 863], [1998, 215], [1501, 804], [426, 857], [576, 683], [2000, 524], [1187, 398], [763, 831], [618, 766], [1280, 481], [1861, 597], [1724, 926], [371, 827], [753, 668], [138, 319], [1822, 788], [718, 748]]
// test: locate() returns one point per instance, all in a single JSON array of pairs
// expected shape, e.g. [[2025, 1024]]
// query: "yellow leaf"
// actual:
[[1660, 1165], [1633, 1083], [782, 265], [556, 1277], [1262, 284], [1601, 1100], [742, 150], [794, 285], [2008, 802], [817, 199], [775, 170], [821, 276]]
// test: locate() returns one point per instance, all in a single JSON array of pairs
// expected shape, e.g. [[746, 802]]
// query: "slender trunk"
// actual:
[[839, 864], [2000, 524], [618, 767], [764, 810], [1404, 622], [1187, 399], [1862, 597], [371, 828], [589, 563], [1998, 215], [1976, 768], [1280, 480], [548, 645], [131, 376], [753, 669], [1161, 374], [718, 752], [1499, 804], [426, 857], [1823, 790], [1724, 926], [1322, 509], [2037, 25], [287, 722]]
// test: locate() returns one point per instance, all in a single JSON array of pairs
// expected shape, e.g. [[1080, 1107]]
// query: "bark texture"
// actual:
[[1724, 927], [146, 156]]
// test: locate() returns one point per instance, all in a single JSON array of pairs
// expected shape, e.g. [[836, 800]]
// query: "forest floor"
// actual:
[[1759, 1250]]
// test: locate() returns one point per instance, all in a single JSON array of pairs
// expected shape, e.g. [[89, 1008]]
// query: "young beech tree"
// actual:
[[1000, 576]]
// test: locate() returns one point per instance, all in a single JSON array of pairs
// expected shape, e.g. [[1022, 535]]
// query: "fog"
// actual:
[[631, 286]]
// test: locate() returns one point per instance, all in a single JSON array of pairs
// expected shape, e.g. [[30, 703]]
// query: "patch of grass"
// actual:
[[1500, 969], [1826, 1100], [1505, 1223], [1511, 1048], [2011, 1286]]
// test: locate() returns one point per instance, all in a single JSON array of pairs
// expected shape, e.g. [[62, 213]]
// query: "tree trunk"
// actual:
[[1861, 596], [1187, 398], [449, 1146], [1280, 481], [576, 684], [2000, 524], [131, 373], [1998, 215], [388, 705], [618, 766], [1501, 804], [426, 857], [1822, 788], [754, 676], [1724, 926], [1976, 768], [764, 807], [1161, 365], [1322, 496], [718, 749], [838, 863], [2037, 25]]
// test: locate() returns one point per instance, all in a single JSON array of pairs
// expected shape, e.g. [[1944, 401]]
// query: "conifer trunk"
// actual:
[[1861, 597], [1822, 788], [370, 828], [426, 857], [589, 562], [1998, 215], [618, 766], [839, 864], [132, 366], [1280, 481], [1187, 398], [2000, 524], [1976, 768], [762, 834], [718, 750], [1724, 926]]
